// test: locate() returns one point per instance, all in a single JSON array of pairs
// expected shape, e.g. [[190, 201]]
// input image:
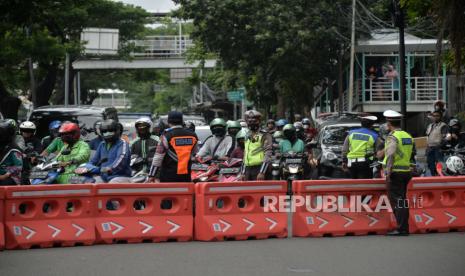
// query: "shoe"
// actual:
[[397, 233]]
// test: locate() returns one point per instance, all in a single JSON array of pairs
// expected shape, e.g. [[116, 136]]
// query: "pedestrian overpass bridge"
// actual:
[[153, 52]]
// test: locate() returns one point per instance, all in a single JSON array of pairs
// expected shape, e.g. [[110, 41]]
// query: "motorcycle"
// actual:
[[204, 170], [140, 176], [293, 167], [230, 170], [86, 173], [46, 172], [441, 167], [276, 168]]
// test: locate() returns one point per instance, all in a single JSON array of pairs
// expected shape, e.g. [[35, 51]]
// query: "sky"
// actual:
[[152, 5]]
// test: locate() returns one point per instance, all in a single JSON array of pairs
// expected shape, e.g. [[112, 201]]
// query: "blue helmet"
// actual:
[[281, 122], [54, 125]]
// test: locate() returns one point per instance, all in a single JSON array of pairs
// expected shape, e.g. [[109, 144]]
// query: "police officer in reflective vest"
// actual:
[[359, 149], [399, 153], [258, 148], [172, 160]]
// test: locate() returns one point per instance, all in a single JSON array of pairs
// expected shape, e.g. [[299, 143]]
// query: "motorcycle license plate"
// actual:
[[38, 175], [77, 179], [293, 161], [230, 170], [199, 167]]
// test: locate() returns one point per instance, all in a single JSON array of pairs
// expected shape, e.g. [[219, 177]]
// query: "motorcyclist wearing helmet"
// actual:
[[270, 126], [219, 145], [17, 139], [53, 143], [258, 149], [309, 130], [28, 130], [280, 124], [455, 138], [53, 128], [116, 168], [145, 144], [11, 164], [300, 132], [94, 143], [291, 143], [238, 152], [158, 128], [75, 152], [190, 126], [233, 128]]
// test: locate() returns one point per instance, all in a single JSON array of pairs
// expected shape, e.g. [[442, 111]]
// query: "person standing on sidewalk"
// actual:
[[399, 151], [436, 133]]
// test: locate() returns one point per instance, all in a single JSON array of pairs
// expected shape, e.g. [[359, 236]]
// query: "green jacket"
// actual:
[[285, 146], [56, 146], [80, 153]]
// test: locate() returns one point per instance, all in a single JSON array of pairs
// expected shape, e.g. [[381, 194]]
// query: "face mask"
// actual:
[[241, 143], [143, 132], [290, 136], [254, 126], [68, 139], [219, 131], [232, 132]]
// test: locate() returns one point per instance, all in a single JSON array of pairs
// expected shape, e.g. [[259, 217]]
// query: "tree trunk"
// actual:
[[47, 85]]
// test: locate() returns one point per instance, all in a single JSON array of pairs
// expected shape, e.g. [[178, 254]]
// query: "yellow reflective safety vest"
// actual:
[[254, 155], [403, 153]]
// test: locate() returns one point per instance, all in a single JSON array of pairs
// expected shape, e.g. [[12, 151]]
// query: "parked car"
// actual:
[[84, 115], [203, 132]]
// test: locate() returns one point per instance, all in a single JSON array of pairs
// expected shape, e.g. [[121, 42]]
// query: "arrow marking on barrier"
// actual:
[[227, 225], [79, 228], [324, 222], [373, 220], [349, 221], [430, 219], [147, 226], [175, 226], [56, 230], [452, 217], [273, 223], [31, 232], [250, 223], [118, 227]]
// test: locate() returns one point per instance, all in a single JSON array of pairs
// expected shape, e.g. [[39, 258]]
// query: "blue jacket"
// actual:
[[119, 159], [367, 131]]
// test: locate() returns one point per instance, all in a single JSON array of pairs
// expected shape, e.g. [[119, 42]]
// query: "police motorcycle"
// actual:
[[47, 170], [230, 170]]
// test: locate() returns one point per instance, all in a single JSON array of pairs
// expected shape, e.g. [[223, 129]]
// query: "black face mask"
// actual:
[[68, 139], [455, 130], [254, 127], [233, 132], [241, 144], [143, 133], [219, 131]]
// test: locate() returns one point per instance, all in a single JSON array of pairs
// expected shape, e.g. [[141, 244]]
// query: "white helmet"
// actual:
[[144, 120], [27, 125], [454, 164]]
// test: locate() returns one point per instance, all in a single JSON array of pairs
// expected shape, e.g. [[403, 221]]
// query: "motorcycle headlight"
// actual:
[[329, 155], [275, 165], [293, 169]]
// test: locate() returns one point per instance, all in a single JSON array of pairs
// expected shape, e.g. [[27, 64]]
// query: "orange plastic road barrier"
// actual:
[[132, 213], [314, 217], [437, 204], [49, 215], [2, 234], [236, 211]]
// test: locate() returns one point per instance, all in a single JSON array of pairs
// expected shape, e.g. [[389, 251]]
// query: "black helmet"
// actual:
[[455, 125], [110, 130], [7, 132]]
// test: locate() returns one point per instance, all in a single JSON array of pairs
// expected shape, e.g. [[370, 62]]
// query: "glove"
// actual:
[[105, 170]]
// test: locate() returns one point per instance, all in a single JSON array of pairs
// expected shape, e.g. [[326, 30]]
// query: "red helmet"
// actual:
[[69, 132]]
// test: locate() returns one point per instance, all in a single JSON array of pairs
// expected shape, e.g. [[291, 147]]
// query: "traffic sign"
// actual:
[[236, 95]]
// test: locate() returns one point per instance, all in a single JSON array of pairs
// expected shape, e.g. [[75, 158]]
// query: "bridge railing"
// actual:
[[162, 46]]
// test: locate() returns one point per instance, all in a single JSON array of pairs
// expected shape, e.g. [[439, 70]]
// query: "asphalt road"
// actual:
[[431, 254]]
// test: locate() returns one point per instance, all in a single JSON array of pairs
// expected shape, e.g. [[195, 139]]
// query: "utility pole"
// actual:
[[352, 57], [67, 80], [400, 23]]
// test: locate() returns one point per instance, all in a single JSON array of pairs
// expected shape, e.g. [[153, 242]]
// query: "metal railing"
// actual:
[[419, 89], [162, 46]]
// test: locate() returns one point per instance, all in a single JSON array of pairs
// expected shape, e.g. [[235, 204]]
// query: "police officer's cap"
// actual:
[[392, 115], [369, 118], [175, 117]]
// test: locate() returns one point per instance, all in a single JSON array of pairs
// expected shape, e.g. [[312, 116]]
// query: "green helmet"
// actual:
[[234, 124], [289, 127], [217, 122], [241, 134], [278, 135]]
